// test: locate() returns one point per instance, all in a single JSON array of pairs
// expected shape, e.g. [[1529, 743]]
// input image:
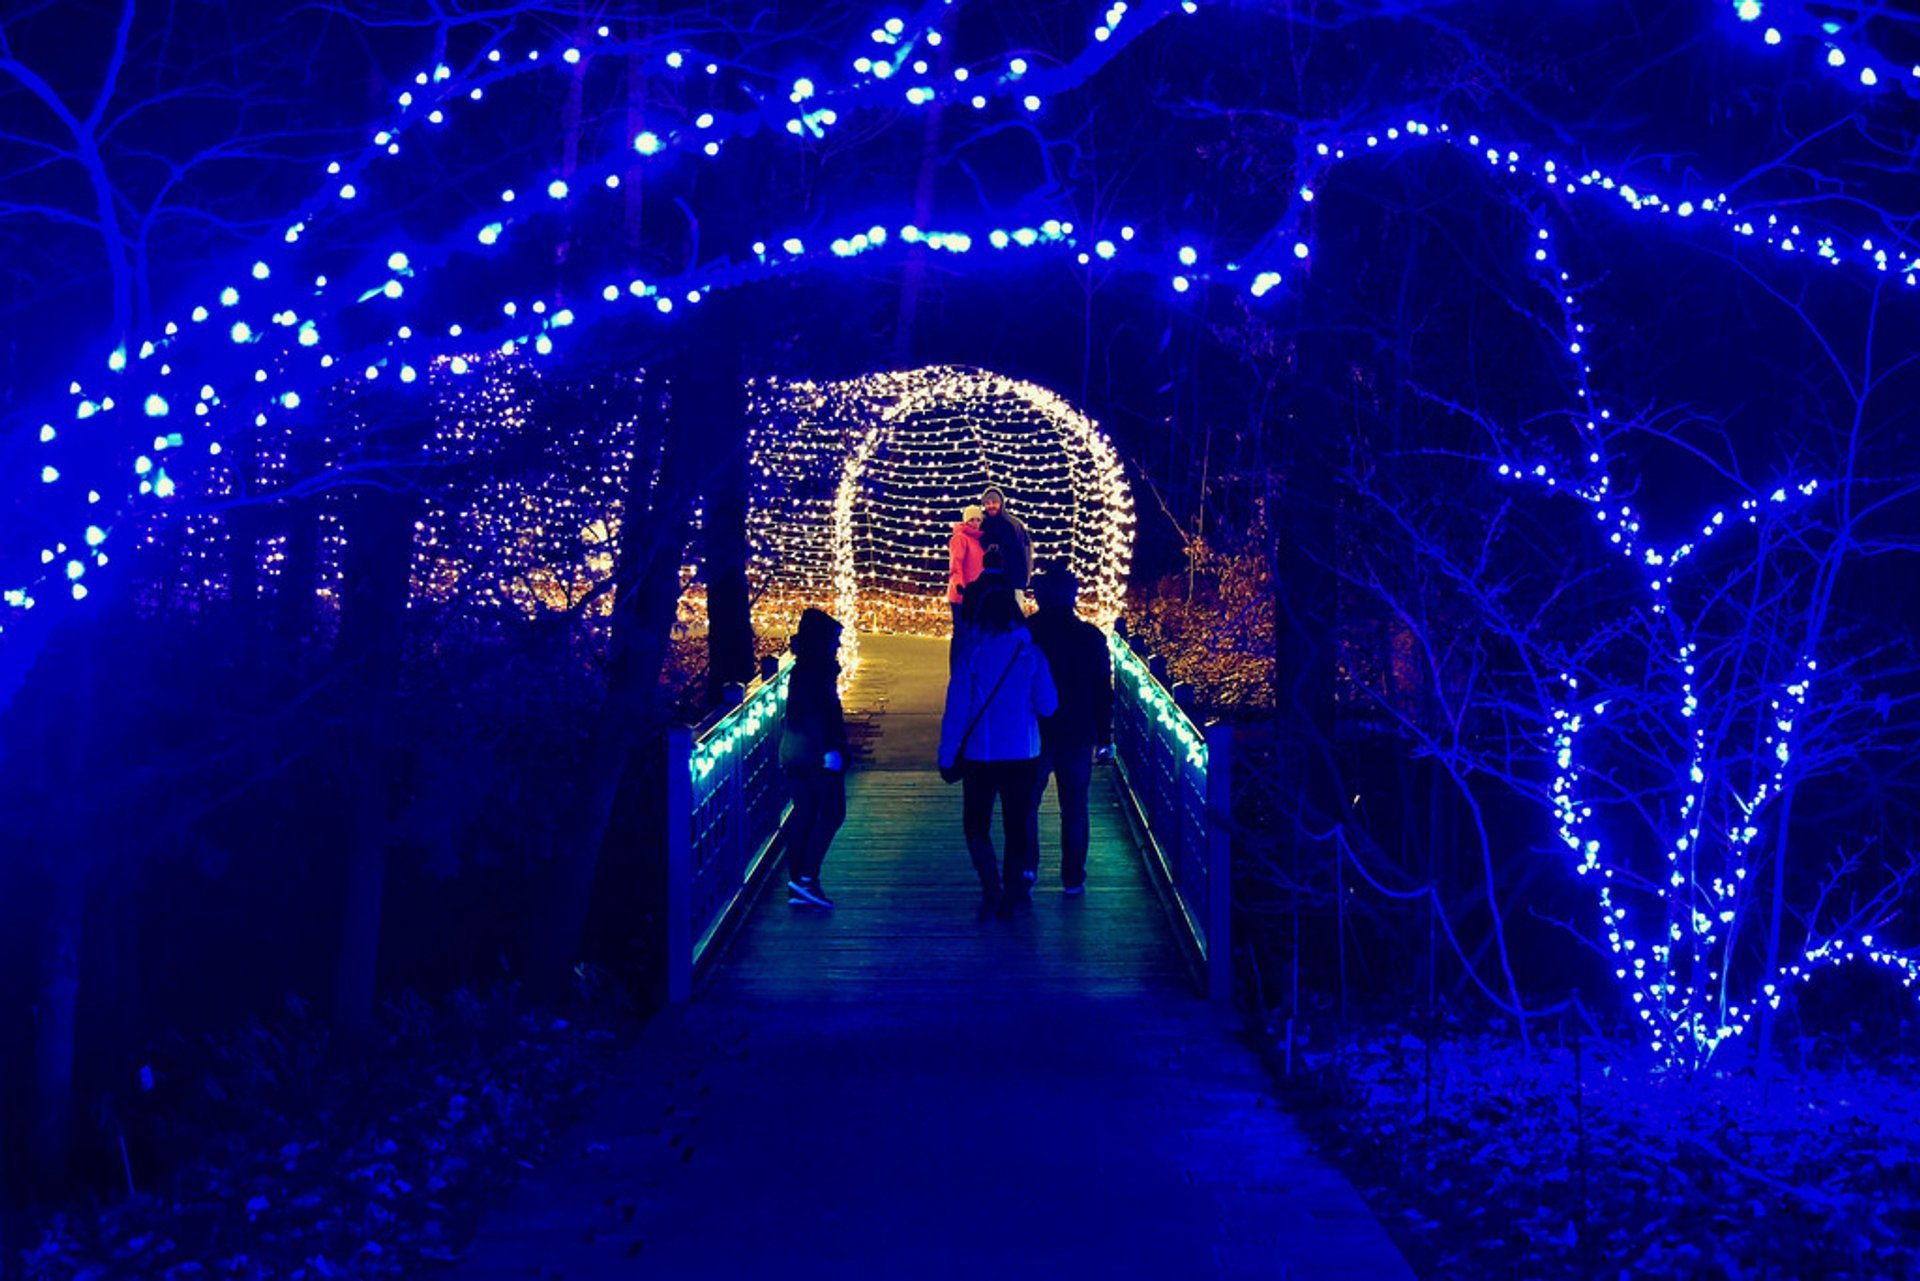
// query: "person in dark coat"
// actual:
[[813, 748], [1006, 531], [1082, 727], [990, 729], [992, 578]]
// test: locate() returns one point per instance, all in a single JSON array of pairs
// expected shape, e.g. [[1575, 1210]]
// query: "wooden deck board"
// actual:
[[894, 1089], [906, 897]]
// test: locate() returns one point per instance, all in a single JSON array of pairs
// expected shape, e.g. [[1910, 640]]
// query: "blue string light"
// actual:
[[276, 384], [1777, 21]]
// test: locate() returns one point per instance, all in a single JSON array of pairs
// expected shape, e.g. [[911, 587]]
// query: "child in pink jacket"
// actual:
[[966, 557]]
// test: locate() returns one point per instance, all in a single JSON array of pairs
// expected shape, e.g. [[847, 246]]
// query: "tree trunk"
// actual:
[[378, 569], [721, 403], [70, 847], [913, 276], [56, 1035], [653, 538], [631, 222], [357, 962]]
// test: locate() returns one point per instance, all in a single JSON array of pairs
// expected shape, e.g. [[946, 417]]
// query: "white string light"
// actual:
[[858, 483]]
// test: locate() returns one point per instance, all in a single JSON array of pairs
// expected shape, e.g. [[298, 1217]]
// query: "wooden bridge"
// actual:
[[895, 1089]]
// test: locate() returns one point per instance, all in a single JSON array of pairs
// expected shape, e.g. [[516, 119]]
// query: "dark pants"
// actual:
[[819, 807], [1010, 783], [1071, 766]]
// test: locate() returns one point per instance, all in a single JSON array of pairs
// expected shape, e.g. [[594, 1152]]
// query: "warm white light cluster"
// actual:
[[540, 536], [859, 482]]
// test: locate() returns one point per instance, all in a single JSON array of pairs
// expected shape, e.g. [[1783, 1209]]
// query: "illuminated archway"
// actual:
[[858, 483]]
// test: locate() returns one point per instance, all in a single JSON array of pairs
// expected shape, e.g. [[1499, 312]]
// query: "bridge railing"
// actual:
[[726, 801], [1177, 775]]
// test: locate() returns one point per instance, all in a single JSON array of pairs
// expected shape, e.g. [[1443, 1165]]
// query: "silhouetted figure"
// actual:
[[998, 691], [992, 578], [1004, 530], [1082, 725], [813, 746]]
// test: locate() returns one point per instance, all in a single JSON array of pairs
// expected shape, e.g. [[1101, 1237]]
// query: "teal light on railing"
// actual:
[[1159, 704], [741, 728]]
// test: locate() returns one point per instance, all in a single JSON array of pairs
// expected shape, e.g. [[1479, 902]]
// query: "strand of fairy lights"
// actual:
[[1048, 234], [1778, 19], [572, 54], [901, 400], [401, 265], [388, 278], [1788, 237], [398, 262], [1672, 1013], [1150, 694], [1668, 1012], [153, 479]]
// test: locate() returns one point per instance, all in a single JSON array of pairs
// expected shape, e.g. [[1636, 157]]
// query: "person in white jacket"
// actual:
[[997, 692]]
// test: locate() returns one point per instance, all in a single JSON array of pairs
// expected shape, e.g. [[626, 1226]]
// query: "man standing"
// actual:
[[1004, 530], [1076, 653]]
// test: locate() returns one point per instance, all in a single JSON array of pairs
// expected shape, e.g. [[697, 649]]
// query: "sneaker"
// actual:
[[806, 889], [989, 906], [1073, 890]]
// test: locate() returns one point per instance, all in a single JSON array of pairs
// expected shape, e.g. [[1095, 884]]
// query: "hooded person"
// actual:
[[1002, 529], [966, 557], [998, 690], [1081, 727], [992, 578], [813, 746]]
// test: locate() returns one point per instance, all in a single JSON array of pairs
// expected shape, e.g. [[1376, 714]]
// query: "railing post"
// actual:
[[1219, 862], [679, 864]]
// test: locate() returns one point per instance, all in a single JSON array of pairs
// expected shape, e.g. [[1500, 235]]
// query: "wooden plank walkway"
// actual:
[[895, 1089]]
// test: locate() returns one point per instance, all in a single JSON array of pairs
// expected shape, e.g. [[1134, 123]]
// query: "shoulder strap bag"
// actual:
[[951, 773]]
